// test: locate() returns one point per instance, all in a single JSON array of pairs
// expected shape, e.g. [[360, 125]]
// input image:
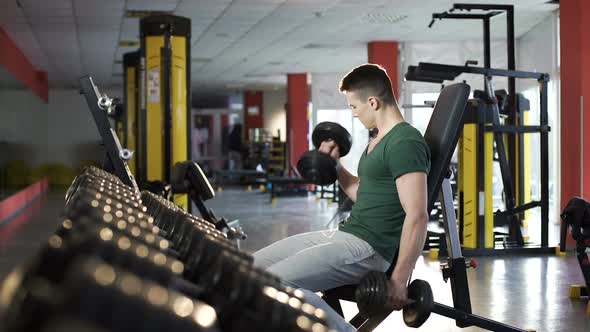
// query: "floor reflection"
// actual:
[[526, 291]]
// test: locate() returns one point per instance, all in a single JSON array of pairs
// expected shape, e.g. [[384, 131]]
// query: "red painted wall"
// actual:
[[21, 68], [575, 100], [11, 205], [297, 121], [385, 54], [253, 99], [575, 70]]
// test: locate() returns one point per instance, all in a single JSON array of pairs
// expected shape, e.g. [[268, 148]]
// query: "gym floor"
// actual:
[[530, 292]]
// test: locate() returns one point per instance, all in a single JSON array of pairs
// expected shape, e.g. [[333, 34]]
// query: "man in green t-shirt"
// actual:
[[390, 195]]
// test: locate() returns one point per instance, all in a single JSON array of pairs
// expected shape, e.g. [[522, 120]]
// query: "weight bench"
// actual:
[[249, 176], [188, 178], [442, 136], [275, 181]]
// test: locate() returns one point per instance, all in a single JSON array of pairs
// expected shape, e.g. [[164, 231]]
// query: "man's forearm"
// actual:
[[348, 182], [411, 246]]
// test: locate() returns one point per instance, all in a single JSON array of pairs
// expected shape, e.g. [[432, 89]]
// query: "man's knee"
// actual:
[[262, 260], [289, 277]]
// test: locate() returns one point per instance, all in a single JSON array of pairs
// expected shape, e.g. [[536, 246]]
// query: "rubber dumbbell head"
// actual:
[[372, 298], [318, 168], [417, 312], [326, 131]]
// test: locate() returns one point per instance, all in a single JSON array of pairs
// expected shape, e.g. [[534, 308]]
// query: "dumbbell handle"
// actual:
[[408, 302]]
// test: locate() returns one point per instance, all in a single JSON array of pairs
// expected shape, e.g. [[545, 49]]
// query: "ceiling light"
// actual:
[[317, 46], [144, 13], [200, 60], [256, 75], [129, 43], [383, 17]]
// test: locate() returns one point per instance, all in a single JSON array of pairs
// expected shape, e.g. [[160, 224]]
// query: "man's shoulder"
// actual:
[[405, 133]]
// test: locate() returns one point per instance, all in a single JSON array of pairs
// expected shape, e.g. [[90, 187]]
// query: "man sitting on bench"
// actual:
[[390, 195]]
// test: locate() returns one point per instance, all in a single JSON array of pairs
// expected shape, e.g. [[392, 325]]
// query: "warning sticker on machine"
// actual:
[[153, 82]]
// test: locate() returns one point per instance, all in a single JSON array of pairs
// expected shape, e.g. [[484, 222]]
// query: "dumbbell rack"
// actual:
[[116, 156], [124, 260], [121, 260]]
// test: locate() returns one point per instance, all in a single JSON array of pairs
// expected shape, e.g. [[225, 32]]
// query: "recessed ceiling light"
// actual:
[[383, 17], [200, 60], [316, 46], [144, 13], [256, 75], [129, 43]]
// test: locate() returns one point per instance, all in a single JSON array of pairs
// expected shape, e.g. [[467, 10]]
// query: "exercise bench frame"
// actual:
[[116, 156]]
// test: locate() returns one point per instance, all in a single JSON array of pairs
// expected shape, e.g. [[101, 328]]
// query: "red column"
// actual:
[[385, 54], [584, 73], [297, 120], [253, 108], [16, 63], [575, 99]]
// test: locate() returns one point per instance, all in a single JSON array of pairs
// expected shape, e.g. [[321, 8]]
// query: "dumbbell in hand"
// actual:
[[372, 299], [331, 141]]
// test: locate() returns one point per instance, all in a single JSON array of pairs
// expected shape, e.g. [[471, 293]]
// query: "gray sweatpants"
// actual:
[[318, 261]]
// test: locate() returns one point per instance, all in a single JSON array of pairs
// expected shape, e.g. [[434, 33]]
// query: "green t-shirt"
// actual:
[[377, 216]]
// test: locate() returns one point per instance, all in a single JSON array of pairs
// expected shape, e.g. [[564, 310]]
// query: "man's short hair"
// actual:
[[369, 80]]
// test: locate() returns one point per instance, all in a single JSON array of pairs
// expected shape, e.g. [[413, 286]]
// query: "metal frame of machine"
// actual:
[[486, 131]]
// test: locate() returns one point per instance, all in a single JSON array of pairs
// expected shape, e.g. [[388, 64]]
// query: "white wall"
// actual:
[[23, 128], [275, 115], [62, 131], [537, 50], [73, 136], [329, 104]]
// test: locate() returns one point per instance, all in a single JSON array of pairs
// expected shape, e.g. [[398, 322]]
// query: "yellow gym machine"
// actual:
[[482, 143], [164, 138], [131, 96]]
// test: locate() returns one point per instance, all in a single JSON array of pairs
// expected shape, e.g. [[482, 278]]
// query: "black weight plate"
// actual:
[[318, 168], [326, 131], [371, 294], [416, 313]]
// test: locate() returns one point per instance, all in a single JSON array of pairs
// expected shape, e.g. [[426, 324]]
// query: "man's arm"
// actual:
[[413, 195], [348, 182]]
